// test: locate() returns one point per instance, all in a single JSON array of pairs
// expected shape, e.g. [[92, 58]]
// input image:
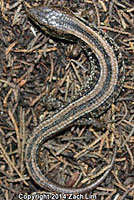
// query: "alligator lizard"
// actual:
[[62, 23]]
